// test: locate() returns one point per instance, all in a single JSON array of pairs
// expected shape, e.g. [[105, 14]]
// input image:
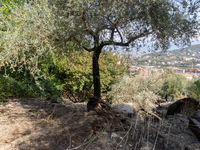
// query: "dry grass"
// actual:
[[38, 124]]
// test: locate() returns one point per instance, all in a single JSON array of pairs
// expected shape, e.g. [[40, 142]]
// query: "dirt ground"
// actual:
[[41, 124]]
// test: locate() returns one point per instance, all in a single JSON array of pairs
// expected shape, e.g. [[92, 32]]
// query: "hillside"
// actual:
[[182, 58], [39, 124]]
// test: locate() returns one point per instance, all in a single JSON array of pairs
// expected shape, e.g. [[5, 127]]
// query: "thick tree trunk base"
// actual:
[[97, 104]]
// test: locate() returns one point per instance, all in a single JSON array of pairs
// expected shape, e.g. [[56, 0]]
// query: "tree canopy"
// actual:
[[128, 22], [94, 24]]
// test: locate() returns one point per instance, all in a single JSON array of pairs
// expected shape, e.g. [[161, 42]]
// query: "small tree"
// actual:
[[193, 89], [94, 24], [173, 86], [140, 90]]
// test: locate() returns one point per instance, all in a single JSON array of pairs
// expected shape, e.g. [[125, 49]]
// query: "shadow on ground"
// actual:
[[41, 124], [38, 124]]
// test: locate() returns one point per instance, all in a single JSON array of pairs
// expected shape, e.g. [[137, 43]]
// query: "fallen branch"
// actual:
[[152, 114], [88, 142], [67, 120]]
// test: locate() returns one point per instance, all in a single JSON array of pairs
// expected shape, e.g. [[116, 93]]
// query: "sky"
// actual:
[[175, 47], [172, 47], [144, 50]]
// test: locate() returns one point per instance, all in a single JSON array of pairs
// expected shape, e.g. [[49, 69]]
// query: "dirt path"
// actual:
[[38, 124]]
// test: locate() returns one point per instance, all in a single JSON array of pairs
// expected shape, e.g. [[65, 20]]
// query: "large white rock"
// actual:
[[124, 108]]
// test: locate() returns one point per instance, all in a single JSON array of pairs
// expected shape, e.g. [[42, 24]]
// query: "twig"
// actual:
[[135, 127], [148, 132], [51, 113], [70, 140], [157, 136], [126, 135], [93, 139], [67, 120], [168, 135], [138, 143], [89, 142], [153, 115]]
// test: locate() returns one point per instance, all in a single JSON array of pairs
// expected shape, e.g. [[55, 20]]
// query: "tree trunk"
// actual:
[[96, 75], [166, 97], [94, 101]]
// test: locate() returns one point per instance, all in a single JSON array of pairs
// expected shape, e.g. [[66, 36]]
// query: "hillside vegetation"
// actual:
[[181, 58]]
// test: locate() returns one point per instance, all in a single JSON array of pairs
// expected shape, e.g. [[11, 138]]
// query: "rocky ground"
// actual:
[[42, 124]]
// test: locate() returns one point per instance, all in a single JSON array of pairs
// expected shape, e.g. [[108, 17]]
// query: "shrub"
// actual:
[[174, 85], [16, 85], [193, 89], [74, 70], [142, 91]]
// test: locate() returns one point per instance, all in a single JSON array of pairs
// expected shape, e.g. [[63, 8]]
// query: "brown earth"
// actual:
[[41, 124]]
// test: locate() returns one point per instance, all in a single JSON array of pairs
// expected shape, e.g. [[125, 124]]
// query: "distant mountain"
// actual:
[[177, 52], [182, 58]]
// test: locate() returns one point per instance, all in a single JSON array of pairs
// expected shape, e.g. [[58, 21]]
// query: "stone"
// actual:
[[125, 108], [146, 146], [113, 135], [194, 126], [195, 146], [185, 106]]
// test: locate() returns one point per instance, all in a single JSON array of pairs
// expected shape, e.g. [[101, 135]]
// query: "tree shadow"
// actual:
[[46, 125]]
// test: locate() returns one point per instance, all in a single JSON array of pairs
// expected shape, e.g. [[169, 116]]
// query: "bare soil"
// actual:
[[41, 124]]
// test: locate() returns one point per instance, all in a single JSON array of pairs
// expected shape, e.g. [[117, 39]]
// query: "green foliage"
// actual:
[[193, 89], [18, 84], [174, 85], [29, 34], [74, 71], [142, 91], [25, 42], [160, 22]]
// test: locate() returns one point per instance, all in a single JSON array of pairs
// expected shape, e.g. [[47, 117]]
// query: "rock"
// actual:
[[194, 126], [185, 106], [162, 112], [146, 146], [197, 115], [195, 146], [125, 108], [113, 135]]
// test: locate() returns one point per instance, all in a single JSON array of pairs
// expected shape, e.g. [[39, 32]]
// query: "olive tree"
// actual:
[[174, 85], [193, 89], [95, 24]]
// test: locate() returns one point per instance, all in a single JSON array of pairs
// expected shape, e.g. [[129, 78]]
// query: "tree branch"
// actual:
[[112, 34], [87, 27], [87, 49], [114, 29], [129, 41], [140, 35]]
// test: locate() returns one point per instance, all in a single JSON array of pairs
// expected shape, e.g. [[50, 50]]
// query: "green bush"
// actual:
[[174, 86], [62, 73], [16, 85], [142, 91], [74, 71], [193, 89]]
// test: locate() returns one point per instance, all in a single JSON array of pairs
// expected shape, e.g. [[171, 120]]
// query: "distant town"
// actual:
[[181, 61]]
